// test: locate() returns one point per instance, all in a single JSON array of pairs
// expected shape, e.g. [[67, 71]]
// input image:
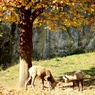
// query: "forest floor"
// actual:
[[58, 66]]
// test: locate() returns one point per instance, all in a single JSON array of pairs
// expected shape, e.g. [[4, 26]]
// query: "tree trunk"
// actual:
[[46, 50], [25, 45]]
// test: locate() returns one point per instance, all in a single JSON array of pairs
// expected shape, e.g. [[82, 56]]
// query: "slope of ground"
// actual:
[[58, 66]]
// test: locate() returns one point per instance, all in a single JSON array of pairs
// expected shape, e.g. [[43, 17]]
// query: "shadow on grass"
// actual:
[[89, 78]]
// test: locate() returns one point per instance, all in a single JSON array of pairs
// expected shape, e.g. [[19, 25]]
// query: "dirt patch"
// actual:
[[60, 89]]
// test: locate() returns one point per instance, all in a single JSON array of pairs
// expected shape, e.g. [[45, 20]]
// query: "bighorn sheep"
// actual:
[[43, 74], [76, 78]]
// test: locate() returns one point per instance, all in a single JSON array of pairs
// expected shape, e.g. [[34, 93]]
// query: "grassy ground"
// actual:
[[58, 66]]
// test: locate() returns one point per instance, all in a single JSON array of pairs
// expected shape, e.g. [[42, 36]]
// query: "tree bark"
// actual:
[[46, 50], [25, 45]]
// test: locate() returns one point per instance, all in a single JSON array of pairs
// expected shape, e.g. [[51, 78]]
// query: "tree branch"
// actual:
[[36, 13]]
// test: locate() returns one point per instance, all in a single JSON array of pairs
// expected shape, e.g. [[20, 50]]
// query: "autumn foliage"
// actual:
[[57, 13]]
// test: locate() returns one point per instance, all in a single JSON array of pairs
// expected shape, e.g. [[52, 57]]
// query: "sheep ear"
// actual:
[[66, 75], [46, 78]]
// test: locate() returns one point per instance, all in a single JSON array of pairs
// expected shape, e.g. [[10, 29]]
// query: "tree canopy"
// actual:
[[60, 13]]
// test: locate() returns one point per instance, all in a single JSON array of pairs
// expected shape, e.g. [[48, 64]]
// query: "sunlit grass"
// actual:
[[9, 77], [58, 66]]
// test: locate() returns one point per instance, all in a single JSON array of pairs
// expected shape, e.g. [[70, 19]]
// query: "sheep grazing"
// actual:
[[76, 78], [43, 74]]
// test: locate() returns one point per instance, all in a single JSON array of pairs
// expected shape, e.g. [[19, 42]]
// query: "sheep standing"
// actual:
[[76, 78], [43, 74]]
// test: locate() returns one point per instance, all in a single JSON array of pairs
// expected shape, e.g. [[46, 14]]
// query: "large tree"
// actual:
[[57, 14]]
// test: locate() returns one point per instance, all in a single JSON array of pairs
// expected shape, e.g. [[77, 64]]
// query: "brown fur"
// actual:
[[43, 74], [76, 78]]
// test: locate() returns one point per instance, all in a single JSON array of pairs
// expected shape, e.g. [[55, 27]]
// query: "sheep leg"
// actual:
[[27, 82], [73, 85], [82, 84], [32, 83], [42, 84], [78, 86]]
